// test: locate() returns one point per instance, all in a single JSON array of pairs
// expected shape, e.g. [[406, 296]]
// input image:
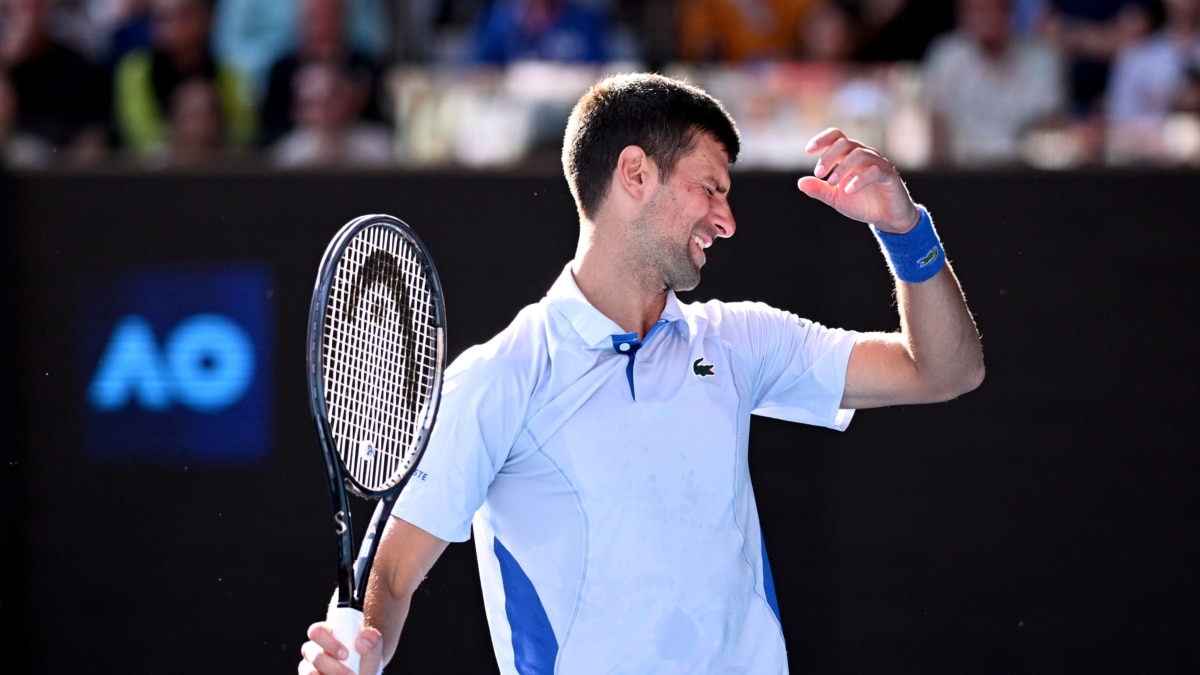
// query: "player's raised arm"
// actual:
[[936, 355]]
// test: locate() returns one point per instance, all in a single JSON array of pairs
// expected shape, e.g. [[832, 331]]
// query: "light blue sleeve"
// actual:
[[485, 398], [797, 367]]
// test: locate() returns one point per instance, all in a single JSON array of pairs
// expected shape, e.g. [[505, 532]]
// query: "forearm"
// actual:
[[386, 611], [940, 336], [936, 328], [936, 355], [406, 554]]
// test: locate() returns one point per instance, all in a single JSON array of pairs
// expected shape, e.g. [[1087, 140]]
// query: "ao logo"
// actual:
[[205, 363]]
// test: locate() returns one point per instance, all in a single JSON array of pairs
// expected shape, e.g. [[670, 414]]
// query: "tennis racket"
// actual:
[[376, 351]]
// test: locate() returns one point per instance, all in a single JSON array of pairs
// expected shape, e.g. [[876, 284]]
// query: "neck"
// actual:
[[633, 298]]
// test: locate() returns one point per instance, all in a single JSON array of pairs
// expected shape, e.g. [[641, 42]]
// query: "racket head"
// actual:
[[376, 353]]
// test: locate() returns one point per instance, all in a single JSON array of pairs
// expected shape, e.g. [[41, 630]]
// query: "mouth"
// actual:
[[701, 244]]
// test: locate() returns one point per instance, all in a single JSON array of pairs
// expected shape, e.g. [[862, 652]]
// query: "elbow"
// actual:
[[974, 378], [967, 380], [950, 384]]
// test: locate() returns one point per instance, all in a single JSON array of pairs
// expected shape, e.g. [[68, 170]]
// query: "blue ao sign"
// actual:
[[178, 366]]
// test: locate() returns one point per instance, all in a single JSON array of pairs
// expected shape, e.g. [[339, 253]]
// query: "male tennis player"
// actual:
[[597, 446]]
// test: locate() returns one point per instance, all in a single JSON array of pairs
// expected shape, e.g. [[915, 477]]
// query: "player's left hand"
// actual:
[[859, 183]]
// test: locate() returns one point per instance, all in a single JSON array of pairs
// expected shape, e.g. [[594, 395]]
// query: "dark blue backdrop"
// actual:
[[1045, 523]]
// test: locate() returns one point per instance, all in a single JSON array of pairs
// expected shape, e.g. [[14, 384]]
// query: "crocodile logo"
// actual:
[[702, 369], [929, 257]]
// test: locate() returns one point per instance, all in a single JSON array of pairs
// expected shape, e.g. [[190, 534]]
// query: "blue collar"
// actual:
[[628, 343]]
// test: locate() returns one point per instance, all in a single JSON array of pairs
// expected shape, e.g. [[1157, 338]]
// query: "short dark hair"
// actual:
[[659, 114]]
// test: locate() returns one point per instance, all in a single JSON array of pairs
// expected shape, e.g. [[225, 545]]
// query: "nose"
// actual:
[[723, 219]]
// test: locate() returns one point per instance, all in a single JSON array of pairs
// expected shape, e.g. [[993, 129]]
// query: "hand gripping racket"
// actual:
[[376, 351]]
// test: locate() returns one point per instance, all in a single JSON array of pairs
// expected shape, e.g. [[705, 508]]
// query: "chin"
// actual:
[[685, 284]]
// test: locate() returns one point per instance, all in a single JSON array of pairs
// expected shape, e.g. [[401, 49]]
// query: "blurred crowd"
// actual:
[[385, 83]]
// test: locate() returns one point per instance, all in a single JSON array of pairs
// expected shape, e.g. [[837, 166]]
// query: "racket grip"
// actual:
[[346, 623]]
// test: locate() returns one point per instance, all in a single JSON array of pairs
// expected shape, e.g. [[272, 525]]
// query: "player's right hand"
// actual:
[[859, 183], [323, 653]]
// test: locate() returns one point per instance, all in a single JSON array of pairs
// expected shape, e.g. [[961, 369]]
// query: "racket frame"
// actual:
[[352, 573]]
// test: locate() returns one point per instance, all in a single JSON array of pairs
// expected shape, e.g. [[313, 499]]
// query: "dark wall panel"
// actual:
[[1045, 523]]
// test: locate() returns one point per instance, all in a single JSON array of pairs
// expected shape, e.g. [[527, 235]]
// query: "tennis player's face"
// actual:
[[688, 213]]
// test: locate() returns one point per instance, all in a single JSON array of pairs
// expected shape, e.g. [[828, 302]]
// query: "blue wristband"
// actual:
[[916, 255]]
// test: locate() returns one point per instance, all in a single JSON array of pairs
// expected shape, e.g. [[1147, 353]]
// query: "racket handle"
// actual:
[[346, 623]]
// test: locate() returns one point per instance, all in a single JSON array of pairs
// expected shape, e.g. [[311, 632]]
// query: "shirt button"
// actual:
[[624, 346]]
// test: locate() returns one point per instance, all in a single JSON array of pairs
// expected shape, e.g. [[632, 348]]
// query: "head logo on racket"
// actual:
[[379, 269]]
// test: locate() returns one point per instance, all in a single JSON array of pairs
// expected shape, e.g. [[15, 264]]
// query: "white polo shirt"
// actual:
[[608, 486]]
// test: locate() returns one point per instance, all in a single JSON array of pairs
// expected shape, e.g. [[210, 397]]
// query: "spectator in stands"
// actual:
[[128, 27], [195, 131], [563, 31], [831, 34], [103, 30], [146, 80], [1153, 79], [738, 31], [61, 98], [322, 39], [900, 30], [1090, 33], [18, 150], [251, 35], [987, 88], [328, 131]]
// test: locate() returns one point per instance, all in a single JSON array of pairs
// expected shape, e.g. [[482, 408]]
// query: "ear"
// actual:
[[635, 172]]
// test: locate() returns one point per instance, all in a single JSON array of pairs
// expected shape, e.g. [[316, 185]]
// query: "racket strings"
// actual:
[[381, 353], [376, 411]]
